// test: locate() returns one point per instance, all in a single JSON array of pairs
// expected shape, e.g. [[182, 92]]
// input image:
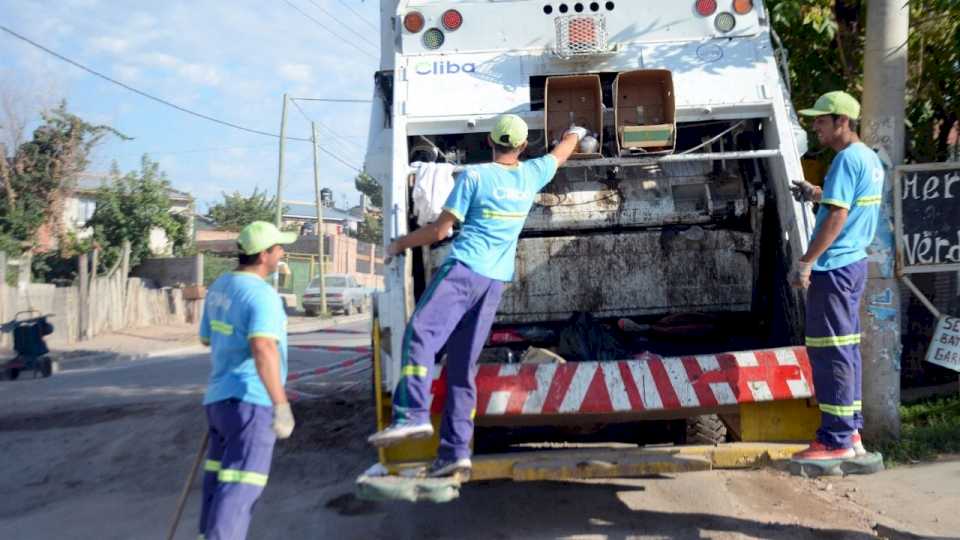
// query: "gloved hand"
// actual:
[[799, 277], [576, 130], [282, 420], [804, 191]]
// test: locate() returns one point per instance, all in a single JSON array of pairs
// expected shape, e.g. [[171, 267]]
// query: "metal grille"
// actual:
[[579, 35]]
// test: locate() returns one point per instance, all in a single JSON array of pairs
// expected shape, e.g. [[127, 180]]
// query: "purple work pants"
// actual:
[[833, 345], [457, 309], [237, 466]]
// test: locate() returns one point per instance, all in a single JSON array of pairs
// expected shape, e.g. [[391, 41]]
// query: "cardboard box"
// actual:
[[194, 292], [645, 114], [574, 99]]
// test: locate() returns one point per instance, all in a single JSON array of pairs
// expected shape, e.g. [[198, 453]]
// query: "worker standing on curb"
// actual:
[[245, 325], [834, 270], [492, 202]]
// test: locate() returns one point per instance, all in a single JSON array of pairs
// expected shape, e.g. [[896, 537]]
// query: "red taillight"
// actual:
[[742, 7], [452, 19], [413, 22], [706, 7]]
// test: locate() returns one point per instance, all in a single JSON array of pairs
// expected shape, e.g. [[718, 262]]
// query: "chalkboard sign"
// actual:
[[927, 217]]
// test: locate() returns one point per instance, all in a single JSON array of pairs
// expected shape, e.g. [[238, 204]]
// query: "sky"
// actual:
[[229, 60]]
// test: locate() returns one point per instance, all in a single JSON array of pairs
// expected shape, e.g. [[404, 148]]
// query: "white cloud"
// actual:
[[200, 74], [296, 72], [112, 45]]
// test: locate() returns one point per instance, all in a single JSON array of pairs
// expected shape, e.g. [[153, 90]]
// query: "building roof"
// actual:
[[89, 183], [303, 210]]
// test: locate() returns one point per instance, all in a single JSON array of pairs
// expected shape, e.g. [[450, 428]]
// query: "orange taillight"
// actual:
[[742, 7], [413, 22]]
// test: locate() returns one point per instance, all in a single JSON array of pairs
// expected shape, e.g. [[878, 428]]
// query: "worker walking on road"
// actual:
[[834, 269], [492, 202], [247, 410]]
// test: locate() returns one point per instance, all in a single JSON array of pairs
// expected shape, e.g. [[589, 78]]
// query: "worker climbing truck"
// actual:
[[650, 303]]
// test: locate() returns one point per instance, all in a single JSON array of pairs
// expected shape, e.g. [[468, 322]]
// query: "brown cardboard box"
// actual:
[[194, 292], [645, 113], [575, 99]]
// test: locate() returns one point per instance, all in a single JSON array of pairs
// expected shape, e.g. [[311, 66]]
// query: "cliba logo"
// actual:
[[444, 68]]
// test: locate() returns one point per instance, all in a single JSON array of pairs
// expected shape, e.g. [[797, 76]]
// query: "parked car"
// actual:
[[343, 292]]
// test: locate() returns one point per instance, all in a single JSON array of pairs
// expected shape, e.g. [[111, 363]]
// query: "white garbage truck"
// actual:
[[650, 303]]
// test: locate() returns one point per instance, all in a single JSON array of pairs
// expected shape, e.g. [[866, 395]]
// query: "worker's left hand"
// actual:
[[576, 130], [804, 191], [799, 277], [282, 420]]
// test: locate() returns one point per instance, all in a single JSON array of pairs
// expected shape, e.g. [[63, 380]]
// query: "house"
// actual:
[[304, 215], [80, 204]]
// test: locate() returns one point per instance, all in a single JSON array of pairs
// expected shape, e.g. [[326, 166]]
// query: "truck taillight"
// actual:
[[742, 7], [413, 22], [433, 38], [725, 22], [452, 19], [706, 7]]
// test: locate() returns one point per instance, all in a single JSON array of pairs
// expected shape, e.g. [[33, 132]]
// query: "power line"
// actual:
[[362, 18], [322, 149], [144, 94], [321, 25], [352, 31]]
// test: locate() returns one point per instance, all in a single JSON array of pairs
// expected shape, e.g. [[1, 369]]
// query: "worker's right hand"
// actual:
[[576, 130], [804, 191], [282, 420], [799, 277]]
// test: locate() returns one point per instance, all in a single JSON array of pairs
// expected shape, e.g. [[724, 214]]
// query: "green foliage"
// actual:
[[214, 266], [129, 209], [928, 428], [41, 173], [367, 185], [825, 40], [60, 267], [236, 211], [370, 230]]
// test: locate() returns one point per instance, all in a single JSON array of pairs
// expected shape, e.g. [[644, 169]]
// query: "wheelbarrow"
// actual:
[[29, 329]]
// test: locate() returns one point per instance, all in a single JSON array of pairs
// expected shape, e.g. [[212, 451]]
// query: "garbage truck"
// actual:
[[650, 310]]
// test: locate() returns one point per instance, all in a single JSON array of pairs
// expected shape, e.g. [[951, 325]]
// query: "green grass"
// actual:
[[928, 428]]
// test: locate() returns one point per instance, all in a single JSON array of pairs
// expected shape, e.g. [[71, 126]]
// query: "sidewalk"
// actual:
[[150, 341]]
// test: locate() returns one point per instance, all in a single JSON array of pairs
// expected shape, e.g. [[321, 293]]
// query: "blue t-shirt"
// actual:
[[492, 201], [240, 306], [854, 182]]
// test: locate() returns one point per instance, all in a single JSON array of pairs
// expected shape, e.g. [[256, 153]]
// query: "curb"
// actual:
[[312, 326]]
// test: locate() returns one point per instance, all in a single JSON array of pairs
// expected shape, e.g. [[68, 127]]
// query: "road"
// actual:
[[103, 452]]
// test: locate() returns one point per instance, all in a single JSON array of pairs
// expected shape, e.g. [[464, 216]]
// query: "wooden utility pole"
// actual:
[[283, 140], [882, 127], [316, 186]]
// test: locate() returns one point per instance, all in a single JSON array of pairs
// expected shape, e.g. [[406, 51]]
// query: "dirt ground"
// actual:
[[115, 472]]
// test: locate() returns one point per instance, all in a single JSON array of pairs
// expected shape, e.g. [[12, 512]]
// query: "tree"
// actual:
[[368, 185], [236, 211], [41, 173], [131, 208], [370, 230], [825, 39]]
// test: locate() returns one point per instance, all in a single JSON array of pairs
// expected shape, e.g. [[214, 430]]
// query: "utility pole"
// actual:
[[316, 186], [283, 140], [884, 95]]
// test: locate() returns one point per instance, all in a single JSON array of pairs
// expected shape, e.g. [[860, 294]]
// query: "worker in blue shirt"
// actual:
[[459, 305], [245, 325], [834, 272]]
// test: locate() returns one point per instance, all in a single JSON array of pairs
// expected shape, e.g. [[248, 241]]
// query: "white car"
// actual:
[[343, 293]]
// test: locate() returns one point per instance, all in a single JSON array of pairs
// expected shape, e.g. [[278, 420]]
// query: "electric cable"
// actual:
[[345, 27], [358, 14], [321, 25]]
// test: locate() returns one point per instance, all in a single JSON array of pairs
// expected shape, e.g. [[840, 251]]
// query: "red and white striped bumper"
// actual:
[[647, 383]]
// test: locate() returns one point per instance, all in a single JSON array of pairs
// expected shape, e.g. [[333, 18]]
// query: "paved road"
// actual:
[[103, 452]]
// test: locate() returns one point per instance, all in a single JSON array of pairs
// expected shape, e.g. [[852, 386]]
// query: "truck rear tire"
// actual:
[[706, 429]]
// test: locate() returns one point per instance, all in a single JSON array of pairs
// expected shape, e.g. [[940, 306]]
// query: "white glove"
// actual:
[[282, 420], [804, 191], [576, 130], [799, 277]]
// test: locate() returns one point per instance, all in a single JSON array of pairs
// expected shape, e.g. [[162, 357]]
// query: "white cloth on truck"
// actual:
[[432, 186]]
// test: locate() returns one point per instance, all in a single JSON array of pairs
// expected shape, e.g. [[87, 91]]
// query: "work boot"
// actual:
[[858, 447], [817, 451], [444, 468], [398, 432]]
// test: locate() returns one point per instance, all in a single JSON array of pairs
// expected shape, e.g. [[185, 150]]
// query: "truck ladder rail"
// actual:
[[673, 158]]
